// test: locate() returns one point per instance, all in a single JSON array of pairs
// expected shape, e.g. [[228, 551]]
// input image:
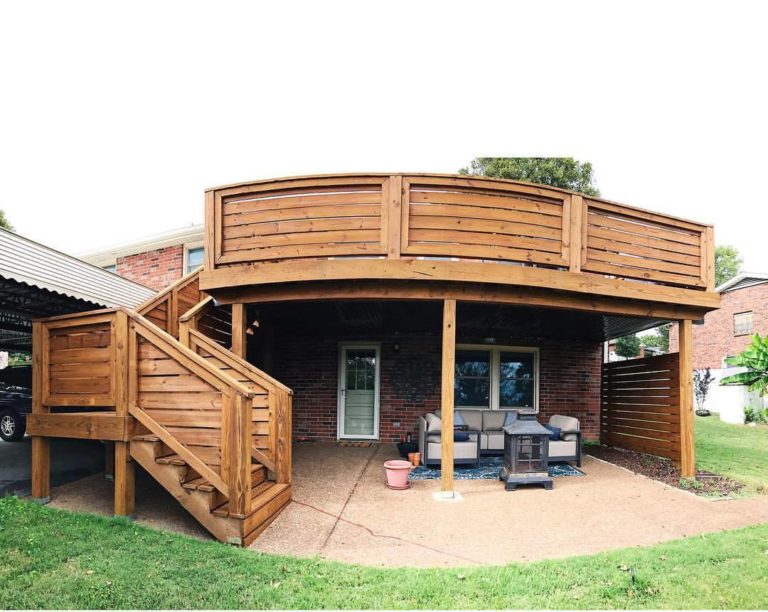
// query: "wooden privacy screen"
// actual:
[[635, 244], [78, 363], [640, 407], [304, 218]]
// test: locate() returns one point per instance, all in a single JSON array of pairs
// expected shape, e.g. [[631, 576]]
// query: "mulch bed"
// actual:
[[706, 483]]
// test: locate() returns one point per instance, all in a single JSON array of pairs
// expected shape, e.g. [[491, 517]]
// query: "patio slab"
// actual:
[[343, 511]]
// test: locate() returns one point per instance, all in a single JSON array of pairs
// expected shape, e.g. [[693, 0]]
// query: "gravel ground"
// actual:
[[705, 484]]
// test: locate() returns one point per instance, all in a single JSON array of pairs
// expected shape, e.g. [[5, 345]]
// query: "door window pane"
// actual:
[[473, 378]]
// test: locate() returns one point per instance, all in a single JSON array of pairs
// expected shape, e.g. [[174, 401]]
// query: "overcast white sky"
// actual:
[[115, 116]]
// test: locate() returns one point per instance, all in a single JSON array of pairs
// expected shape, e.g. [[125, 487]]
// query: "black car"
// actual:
[[15, 402]]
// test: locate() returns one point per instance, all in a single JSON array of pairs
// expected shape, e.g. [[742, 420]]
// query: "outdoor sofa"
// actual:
[[486, 436]]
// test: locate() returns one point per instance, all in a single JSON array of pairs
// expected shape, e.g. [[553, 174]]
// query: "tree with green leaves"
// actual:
[[563, 172], [4, 223], [728, 260], [755, 359], [659, 339], [628, 346]]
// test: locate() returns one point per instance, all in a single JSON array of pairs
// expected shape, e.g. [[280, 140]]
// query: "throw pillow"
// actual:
[[554, 432], [460, 436], [458, 420], [510, 418], [434, 423]]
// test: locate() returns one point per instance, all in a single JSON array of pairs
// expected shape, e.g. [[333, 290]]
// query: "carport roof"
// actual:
[[37, 281]]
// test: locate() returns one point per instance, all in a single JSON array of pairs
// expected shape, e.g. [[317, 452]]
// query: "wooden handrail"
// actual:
[[170, 345]]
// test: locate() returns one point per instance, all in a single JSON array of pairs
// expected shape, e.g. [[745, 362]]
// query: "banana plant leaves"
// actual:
[[755, 359]]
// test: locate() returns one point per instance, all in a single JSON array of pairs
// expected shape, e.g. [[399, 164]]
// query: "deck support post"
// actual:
[[41, 447], [685, 367], [239, 327], [109, 460], [125, 483], [41, 469], [447, 397]]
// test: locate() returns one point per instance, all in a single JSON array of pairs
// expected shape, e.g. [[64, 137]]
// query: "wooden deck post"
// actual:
[[239, 325], [41, 447], [109, 460], [447, 398], [41, 469], [685, 365], [125, 485]]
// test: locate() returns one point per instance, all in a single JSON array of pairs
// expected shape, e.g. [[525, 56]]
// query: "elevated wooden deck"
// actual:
[[449, 229]]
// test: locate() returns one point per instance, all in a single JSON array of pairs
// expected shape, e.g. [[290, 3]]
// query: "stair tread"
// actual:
[[172, 459], [260, 495], [145, 438], [203, 484]]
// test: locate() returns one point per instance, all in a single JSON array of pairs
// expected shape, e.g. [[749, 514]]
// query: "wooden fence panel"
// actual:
[[304, 219], [640, 408], [479, 220], [79, 362], [633, 244]]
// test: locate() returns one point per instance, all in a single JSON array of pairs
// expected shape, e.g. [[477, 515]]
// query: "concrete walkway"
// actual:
[[343, 511], [607, 509]]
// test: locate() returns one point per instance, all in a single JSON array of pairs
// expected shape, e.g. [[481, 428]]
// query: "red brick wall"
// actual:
[[410, 382], [156, 269], [715, 339]]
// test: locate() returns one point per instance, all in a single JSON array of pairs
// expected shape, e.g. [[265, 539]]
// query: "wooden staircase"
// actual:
[[201, 498], [208, 426]]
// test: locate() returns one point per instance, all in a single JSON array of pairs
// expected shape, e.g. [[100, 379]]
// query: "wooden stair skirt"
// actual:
[[203, 501]]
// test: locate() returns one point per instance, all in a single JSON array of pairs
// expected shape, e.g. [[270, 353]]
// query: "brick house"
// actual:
[[154, 261], [728, 331]]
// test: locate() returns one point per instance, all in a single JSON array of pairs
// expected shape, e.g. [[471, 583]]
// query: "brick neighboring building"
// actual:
[[155, 261], [728, 331]]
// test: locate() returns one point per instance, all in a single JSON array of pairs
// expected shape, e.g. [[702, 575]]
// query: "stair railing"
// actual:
[[272, 435]]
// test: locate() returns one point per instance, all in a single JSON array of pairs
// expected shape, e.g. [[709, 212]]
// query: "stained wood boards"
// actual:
[[640, 407]]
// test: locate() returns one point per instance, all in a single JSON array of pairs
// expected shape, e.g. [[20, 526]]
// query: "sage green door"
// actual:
[[359, 392]]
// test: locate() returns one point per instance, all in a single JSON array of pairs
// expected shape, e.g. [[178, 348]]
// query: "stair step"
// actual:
[[258, 474], [145, 438], [171, 460], [260, 496]]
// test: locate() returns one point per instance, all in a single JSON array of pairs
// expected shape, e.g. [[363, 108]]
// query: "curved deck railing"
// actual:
[[410, 217]]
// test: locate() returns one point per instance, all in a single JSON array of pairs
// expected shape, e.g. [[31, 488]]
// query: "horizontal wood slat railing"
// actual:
[[165, 309], [402, 217], [271, 402], [640, 407]]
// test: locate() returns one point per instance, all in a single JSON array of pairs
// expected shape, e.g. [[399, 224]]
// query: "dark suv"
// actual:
[[15, 402]]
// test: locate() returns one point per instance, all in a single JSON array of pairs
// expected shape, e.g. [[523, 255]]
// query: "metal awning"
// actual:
[[37, 281]]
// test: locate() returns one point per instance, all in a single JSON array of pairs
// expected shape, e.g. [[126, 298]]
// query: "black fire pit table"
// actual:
[[526, 454]]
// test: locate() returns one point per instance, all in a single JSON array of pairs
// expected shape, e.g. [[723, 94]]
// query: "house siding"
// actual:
[[715, 339], [410, 381]]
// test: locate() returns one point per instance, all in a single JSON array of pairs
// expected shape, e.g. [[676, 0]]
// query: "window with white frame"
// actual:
[[194, 258], [742, 323], [496, 377]]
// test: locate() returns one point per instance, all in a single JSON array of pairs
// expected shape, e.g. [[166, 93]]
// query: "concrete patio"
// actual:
[[343, 511]]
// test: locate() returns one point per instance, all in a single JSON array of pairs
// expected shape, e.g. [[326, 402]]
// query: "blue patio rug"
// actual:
[[486, 469]]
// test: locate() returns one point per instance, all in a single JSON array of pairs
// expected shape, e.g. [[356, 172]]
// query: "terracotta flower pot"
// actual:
[[397, 472], [415, 459]]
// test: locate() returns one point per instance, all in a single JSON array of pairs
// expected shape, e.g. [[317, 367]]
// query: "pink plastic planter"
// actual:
[[397, 472]]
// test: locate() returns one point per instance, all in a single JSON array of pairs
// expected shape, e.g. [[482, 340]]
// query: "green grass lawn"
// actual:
[[55, 559], [736, 451]]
